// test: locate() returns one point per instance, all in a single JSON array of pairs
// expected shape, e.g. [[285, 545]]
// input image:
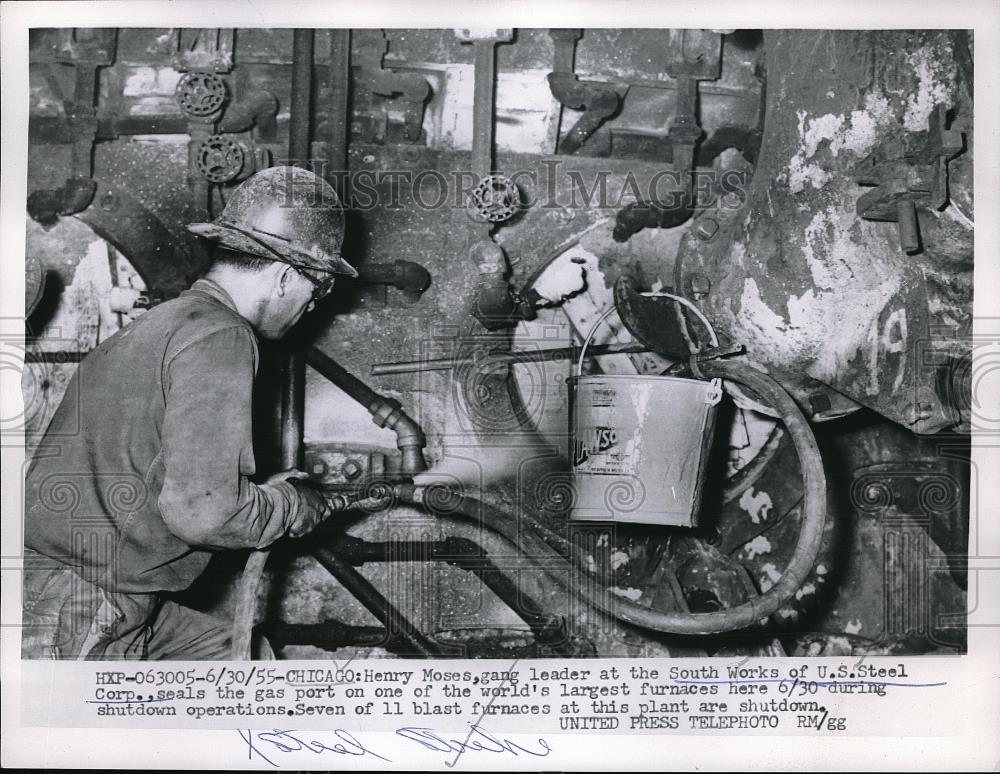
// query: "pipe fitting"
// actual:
[[408, 276], [410, 441], [253, 111], [386, 412]]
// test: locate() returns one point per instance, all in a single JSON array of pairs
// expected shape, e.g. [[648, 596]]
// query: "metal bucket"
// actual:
[[640, 444]]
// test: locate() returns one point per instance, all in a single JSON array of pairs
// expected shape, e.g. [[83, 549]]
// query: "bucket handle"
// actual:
[[652, 294]]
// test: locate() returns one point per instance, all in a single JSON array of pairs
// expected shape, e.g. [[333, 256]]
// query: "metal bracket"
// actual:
[[599, 101], [695, 55], [87, 50], [494, 34], [95, 46], [411, 88], [909, 172], [206, 50]]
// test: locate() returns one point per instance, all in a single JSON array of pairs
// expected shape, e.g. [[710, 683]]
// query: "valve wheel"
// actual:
[[220, 158], [200, 94], [495, 199]]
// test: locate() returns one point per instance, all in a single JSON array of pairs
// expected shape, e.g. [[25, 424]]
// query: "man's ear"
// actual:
[[282, 277]]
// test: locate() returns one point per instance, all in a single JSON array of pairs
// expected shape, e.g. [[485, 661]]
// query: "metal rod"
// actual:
[[395, 623], [501, 356]]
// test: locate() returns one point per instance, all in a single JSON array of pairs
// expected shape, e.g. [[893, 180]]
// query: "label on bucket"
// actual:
[[638, 447], [607, 438], [600, 450]]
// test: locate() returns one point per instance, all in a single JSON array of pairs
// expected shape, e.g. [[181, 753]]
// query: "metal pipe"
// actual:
[[385, 412], [294, 381], [408, 276], [909, 230], [248, 113], [483, 97], [238, 118], [466, 555], [292, 411], [299, 124], [328, 635], [499, 356], [344, 379], [245, 612], [293, 386], [395, 623], [340, 111]]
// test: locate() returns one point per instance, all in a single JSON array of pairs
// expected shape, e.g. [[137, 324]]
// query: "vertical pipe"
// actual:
[[299, 124], [293, 387], [294, 381], [340, 116], [482, 119]]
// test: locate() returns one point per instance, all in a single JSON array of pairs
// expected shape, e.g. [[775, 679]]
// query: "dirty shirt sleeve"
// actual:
[[207, 498]]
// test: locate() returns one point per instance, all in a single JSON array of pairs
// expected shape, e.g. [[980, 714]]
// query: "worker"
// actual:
[[144, 471]]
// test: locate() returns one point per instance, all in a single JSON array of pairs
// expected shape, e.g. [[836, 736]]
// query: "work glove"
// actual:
[[312, 508]]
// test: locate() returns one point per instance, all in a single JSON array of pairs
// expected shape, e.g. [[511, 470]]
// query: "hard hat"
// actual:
[[286, 214]]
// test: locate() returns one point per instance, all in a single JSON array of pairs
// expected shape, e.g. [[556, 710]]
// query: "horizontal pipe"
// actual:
[[503, 356], [328, 635], [405, 275], [240, 117]]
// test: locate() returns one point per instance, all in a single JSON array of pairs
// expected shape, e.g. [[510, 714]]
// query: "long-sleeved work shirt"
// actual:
[[144, 467]]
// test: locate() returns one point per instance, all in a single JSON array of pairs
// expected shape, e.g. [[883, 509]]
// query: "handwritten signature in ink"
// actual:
[[264, 743], [477, 740]]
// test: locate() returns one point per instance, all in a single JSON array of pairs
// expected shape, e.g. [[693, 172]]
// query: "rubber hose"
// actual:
[[245, 609], [742, 616], [246, 604], [537, 540], [749, 474]]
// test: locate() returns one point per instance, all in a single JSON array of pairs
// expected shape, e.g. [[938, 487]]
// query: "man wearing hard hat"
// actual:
[[144, 470]]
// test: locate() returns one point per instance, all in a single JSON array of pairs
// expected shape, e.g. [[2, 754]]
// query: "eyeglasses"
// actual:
[[323, 287]]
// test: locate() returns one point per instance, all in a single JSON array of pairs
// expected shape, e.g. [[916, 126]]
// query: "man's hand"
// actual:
[[312, 509]]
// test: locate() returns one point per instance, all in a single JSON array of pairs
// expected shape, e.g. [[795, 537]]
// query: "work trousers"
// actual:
[[67, 617]]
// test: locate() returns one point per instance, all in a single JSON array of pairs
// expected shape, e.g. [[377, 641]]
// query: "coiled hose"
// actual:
[[539, 541]]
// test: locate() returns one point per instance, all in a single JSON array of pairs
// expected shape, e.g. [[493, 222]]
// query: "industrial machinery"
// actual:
[[651, 370]]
